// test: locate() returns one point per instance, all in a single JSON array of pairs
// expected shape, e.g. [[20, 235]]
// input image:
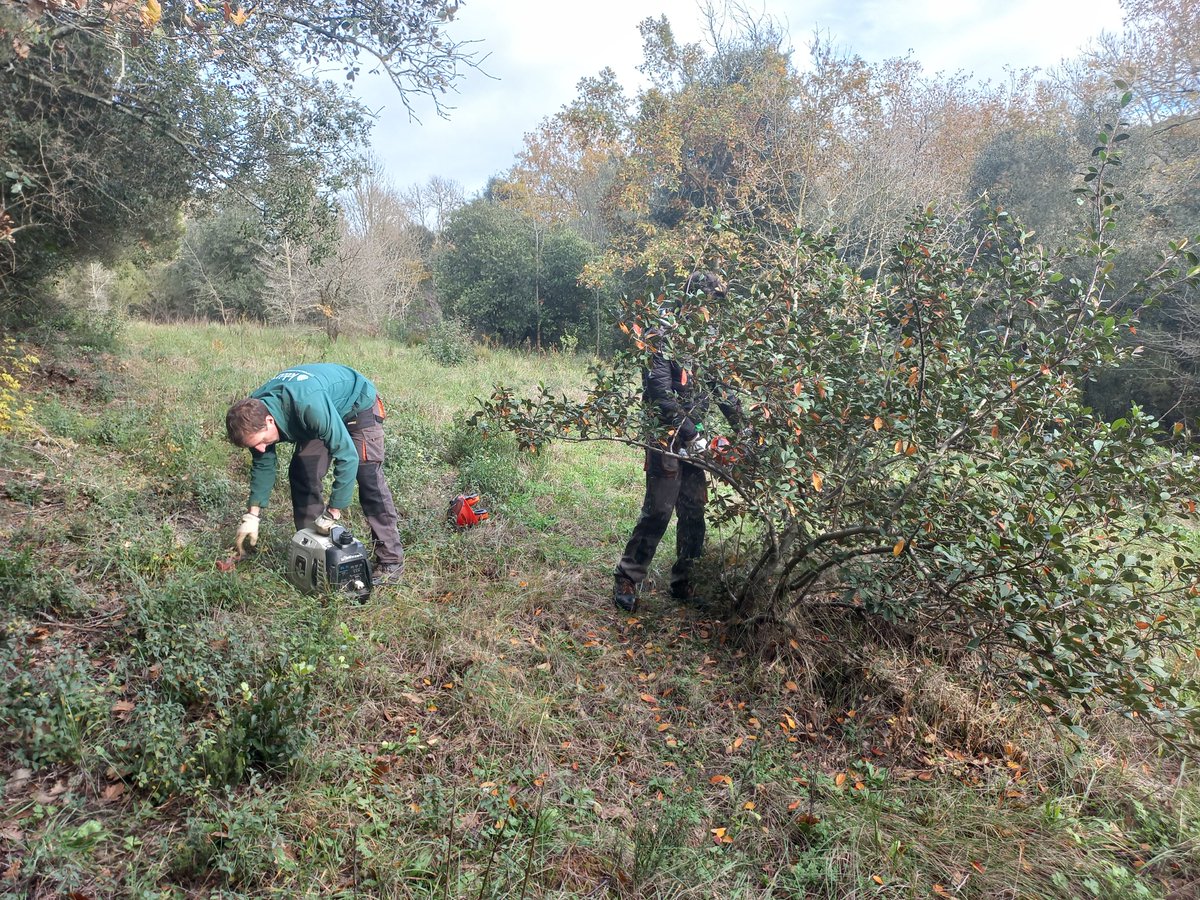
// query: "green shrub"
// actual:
[[28, 586], [235, 837], [98, 331], [213, 493], [413, 446], [449, 343], [124, 427], [49, 696], [213, 701], [489, 462], [246, 726], [64, 421]]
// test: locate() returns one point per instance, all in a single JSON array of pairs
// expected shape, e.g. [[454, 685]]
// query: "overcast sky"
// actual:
[[537, 52]]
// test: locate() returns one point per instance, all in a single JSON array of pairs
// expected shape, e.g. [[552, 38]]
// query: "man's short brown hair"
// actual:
[[244, 419]]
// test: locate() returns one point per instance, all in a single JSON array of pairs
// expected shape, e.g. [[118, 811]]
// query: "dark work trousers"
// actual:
[[309, 464], [671, 485]]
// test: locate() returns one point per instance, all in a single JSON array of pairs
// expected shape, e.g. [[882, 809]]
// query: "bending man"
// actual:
[[332, 414]]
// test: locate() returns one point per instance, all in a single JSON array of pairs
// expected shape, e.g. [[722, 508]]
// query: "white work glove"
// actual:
[[247, 528], [695, 447], [324, 523]]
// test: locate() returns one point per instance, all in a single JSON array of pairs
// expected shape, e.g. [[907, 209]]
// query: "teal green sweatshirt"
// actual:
[[310, 402]]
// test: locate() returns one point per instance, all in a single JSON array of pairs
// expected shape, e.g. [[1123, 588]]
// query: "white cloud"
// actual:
[[538, 52]]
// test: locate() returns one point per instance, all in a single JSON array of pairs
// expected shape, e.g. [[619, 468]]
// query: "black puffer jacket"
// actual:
[[682, 399]]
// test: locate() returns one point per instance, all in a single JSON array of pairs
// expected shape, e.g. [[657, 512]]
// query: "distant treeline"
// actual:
[[224, 188]]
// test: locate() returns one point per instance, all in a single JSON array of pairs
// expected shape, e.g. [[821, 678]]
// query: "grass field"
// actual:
[[492, 728]]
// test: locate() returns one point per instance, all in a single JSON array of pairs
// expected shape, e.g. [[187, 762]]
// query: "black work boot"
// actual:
[[625, 594], [683, 592]]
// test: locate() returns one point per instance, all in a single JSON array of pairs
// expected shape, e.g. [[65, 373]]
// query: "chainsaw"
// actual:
[[334, 562], [464, 512]]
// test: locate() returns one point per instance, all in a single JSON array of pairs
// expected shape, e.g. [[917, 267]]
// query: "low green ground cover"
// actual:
[[492, 727]]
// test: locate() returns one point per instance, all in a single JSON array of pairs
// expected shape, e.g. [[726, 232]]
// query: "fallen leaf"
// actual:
[[47, 797], [839, 779], [113, 791], [615, 812]]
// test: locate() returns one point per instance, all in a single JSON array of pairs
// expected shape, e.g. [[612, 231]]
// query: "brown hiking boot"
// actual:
[[387, 573], [625, 594]]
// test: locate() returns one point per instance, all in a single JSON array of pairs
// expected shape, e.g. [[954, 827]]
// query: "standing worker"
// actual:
[[673, 483], [331, 413]]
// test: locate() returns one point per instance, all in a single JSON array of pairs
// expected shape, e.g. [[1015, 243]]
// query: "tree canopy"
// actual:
[[114, 114]]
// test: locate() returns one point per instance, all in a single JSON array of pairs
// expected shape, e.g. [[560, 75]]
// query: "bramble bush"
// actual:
[[919, 452]]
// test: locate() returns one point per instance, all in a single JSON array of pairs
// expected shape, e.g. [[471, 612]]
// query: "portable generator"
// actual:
[[329, 562]]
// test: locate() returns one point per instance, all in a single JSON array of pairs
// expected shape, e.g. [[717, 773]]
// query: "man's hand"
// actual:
[[247, 529]]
